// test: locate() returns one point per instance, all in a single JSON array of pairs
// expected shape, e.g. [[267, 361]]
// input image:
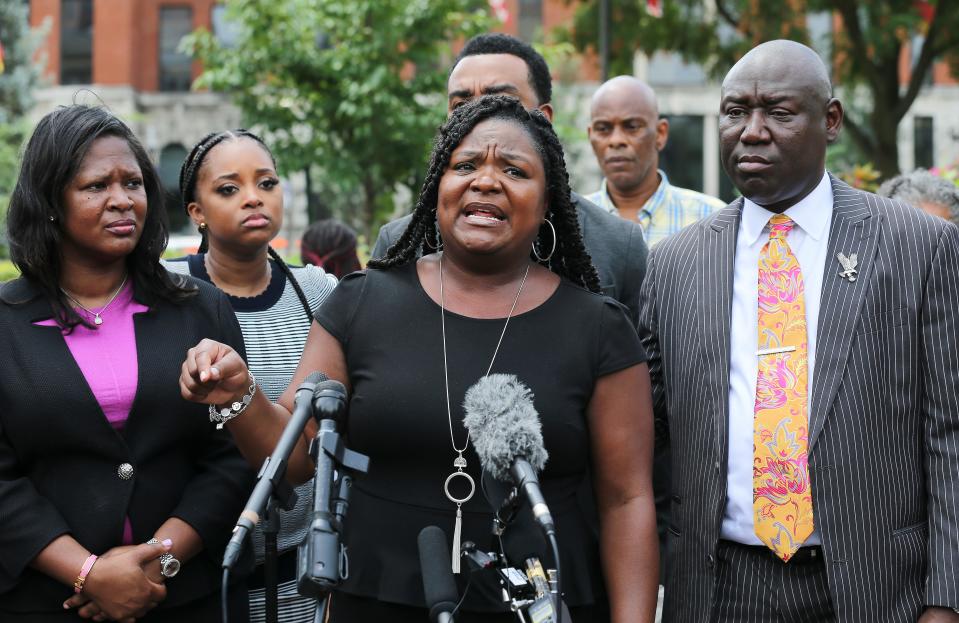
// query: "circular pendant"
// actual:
[[446, 487], [97, 320]]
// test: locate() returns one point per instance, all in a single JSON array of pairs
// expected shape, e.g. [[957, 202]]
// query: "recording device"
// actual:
[[505, 430], [506, 433], [271, 479], [321, 558], [439, 586]]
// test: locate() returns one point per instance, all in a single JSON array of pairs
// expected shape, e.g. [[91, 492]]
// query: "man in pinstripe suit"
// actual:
[[816, 470]]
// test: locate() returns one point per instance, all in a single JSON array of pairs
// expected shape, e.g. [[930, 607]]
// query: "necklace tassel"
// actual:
[[457, 530]]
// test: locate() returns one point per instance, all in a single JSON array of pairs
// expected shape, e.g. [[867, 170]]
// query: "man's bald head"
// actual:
[[777, 116], [626, 133], [784, 61], [625, 89]]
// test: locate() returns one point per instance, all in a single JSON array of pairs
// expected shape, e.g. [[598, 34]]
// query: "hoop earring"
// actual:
[[439, 244], [546, 259]]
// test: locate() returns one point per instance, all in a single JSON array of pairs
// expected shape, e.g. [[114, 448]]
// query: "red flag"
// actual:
[[926, 10], [654, 8]]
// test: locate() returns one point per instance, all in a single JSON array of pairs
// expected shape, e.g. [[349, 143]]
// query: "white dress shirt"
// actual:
[[808, 240]]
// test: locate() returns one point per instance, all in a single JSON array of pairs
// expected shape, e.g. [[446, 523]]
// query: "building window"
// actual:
[[76, 41], [530, 19], [226, 32], [171, 157], [682, 159], [175, 66], [922, 142]]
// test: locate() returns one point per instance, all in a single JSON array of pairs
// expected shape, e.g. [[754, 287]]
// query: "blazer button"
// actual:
[[125, 471]]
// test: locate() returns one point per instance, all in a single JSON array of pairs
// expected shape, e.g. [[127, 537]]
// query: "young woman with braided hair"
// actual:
[[231, 190], [501, 294]]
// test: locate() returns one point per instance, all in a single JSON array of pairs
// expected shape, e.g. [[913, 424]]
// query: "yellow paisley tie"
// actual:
[[782, 496]]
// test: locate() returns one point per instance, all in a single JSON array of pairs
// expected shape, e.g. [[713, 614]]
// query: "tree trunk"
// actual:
[[369, 207], [886, 156]]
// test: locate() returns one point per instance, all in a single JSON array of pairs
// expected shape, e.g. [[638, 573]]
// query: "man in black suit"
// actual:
[[499, 64]]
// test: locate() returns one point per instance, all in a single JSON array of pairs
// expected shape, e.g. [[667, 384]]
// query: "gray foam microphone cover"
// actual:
[[503, 424]]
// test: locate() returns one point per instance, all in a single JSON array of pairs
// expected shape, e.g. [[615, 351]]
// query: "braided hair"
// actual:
[[570, 259], [189, 172]]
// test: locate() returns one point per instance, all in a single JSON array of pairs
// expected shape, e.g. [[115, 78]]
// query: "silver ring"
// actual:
[[446, 487]]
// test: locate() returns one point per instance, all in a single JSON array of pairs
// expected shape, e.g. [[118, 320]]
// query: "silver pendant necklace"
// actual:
[[459, 463], [97, 320]]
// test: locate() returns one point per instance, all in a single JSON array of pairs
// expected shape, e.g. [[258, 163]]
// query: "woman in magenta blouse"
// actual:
[[117, 497]]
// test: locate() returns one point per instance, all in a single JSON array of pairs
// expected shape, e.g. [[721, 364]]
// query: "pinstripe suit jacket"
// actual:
[[884, 419]]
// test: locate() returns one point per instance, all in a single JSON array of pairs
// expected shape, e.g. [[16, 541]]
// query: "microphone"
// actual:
[[273, 471], [438, 583], [506, 433], [321, 558]]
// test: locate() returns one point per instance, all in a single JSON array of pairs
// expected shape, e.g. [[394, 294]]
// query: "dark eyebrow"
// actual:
[[227, 176], [472, 154], [512, 155], [495, 89]]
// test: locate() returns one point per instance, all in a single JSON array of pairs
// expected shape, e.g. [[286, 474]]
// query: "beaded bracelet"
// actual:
[[224, 415], [84, 571]]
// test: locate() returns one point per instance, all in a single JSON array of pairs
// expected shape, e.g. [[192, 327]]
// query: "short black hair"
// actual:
[[499, 43], [35, 217], [570, 258]]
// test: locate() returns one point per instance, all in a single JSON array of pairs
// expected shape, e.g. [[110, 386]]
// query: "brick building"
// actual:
[[125, 51]]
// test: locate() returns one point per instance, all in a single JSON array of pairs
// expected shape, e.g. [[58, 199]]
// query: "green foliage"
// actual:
[[351, 88], [16, 87], [8, 271], [865, 51]]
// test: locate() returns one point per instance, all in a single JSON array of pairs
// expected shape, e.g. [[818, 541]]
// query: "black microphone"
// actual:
[[506, 433], [274, 468], [438, 583], [320, 557]]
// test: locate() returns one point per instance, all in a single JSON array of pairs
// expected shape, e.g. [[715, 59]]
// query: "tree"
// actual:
[[346, 88], [870, 38], [20, 74]]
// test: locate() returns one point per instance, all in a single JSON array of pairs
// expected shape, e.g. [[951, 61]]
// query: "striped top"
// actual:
[[274, 326], [667, 211]]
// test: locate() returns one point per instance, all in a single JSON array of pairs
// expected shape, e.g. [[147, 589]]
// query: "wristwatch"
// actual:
[[169, 566]]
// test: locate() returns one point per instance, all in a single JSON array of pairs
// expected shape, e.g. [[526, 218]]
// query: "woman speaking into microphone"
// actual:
[[508, 288]]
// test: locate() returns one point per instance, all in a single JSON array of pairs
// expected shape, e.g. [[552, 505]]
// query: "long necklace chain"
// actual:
[[446, 376], [459, 463], [97, 320]]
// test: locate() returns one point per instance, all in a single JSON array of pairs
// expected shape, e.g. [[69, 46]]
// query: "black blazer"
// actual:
[[59, 456]]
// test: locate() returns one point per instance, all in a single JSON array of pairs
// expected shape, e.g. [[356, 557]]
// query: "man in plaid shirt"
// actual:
[[627, 135]]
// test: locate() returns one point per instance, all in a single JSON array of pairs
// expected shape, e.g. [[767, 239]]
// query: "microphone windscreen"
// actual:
[[503, 424], [315, 377], [439, 586]]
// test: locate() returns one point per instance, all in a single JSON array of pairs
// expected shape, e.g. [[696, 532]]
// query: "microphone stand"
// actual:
[[271, 490], [270, 525], [322, 559]]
